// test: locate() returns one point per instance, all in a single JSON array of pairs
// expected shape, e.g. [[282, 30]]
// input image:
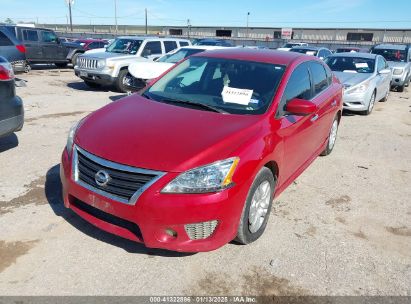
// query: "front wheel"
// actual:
[[332, 137], [60, 64], [122, 84], [370, 105], [257, 207]]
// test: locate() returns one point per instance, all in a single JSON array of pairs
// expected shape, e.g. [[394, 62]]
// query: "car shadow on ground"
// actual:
[[53, 190], [81, 86], [49, 66], [8, 142], [117, 97]]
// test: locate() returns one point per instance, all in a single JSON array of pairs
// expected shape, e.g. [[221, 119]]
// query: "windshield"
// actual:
[[347, 50], [232, 86], [351, 64], [305, 51], [290, 45], [391, 54], [179, 55], [124, 46]]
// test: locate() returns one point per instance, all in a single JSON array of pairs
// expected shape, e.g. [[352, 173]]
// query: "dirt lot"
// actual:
[[343, 228]]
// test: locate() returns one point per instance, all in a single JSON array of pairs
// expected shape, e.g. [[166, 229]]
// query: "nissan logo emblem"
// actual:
[[102, 178]]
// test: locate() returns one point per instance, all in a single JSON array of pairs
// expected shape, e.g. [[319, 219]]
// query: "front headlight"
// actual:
[[398, 71], [101, 64], [361, 88], [210, 178], [70, 137]]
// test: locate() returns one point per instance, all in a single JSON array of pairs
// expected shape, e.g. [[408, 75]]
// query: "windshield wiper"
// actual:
[[199, 105]]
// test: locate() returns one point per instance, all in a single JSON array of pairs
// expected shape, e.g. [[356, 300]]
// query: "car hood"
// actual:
[[351, 79], [147, 134], [148, 70], [106, 55], [396, 64]]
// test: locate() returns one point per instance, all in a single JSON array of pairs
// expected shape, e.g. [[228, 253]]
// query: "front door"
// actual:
[[53, 50]]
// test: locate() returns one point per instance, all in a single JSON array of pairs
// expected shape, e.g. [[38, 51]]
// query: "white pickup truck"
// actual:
[[110, 66]]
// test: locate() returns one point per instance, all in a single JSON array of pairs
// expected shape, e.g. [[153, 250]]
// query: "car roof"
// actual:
[[150, 38], [257, 55], [357, 55], [309, 48], [203, 47], [391, 46]]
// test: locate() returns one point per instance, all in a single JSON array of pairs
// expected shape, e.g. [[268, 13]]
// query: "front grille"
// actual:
[[125, 183], [200, 231], [87, 63], [108, 218]]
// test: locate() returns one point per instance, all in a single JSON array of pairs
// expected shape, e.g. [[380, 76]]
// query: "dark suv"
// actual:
[[13, 50], [42, 45], [11, 106]]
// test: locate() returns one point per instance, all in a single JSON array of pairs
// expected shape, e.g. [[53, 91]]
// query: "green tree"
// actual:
[[8, 21]]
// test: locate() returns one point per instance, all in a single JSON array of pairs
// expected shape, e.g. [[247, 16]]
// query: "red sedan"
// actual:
[[196, 160]]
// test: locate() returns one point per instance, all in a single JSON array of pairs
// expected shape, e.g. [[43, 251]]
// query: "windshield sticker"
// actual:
[[254, 101], [312, 53], [349, 71], [237, 96], [361, 65]]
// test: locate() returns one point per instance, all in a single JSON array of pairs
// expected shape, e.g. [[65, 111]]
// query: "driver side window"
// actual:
[[49, 37], [298, 86]]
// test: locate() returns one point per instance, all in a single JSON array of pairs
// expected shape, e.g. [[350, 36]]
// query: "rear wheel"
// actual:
[[332, 137], [60, 64], [407, 81], [401, 88], [257, 207], [92, 85]]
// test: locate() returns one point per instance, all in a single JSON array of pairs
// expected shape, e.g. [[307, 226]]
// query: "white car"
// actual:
[[145, 71], [109, 66], [288, 46]]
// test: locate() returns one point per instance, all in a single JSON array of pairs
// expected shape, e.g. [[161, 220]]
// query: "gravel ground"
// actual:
[[343, 228]]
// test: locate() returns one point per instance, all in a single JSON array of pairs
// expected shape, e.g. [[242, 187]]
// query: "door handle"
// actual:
[[314, 118], [334, 103]]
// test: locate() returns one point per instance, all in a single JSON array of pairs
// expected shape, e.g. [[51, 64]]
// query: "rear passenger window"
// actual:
[[4, 41], [170, 45], [154, 47], [183, 43], [30, 35], [320, 82], [298, 86]]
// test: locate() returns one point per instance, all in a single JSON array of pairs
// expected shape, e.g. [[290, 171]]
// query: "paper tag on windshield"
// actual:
[[312, 53], [361, 65], [238, 96]]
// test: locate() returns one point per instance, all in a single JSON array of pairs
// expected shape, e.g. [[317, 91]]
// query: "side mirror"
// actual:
[[146, 53], [301, 107], [384, 72]]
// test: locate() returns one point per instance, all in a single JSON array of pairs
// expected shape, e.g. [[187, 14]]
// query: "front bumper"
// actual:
[[19, 66], [398, 80], [154, 213], [95, 77], [356, 101]]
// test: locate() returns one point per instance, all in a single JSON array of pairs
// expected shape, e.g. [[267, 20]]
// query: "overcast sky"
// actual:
[[273, 13]]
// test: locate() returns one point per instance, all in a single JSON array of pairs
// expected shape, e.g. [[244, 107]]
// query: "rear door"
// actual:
[[152, 50], [326, 100], [31, 41], [170, 45], [53, 50]]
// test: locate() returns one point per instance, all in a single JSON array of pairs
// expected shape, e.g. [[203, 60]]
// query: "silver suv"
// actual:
[[398, 57], [110, 66]]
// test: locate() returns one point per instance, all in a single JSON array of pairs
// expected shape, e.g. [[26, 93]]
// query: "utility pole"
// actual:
[[146, 22], [70, 3], [248, 16], [115, 15], [188, 28]]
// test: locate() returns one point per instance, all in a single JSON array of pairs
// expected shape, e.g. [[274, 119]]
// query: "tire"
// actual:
[[407, 81], [371, 105], [401, 88], [60, 64], [92, 85], [74, 59], [120, 85], [27, 68], [385, 99], [247, 232], [332, 137]]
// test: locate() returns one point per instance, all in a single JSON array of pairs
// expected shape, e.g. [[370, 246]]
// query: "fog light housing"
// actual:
[[170, 232]]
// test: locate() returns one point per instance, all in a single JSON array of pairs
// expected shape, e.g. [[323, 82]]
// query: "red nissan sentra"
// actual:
[[196, 160]]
